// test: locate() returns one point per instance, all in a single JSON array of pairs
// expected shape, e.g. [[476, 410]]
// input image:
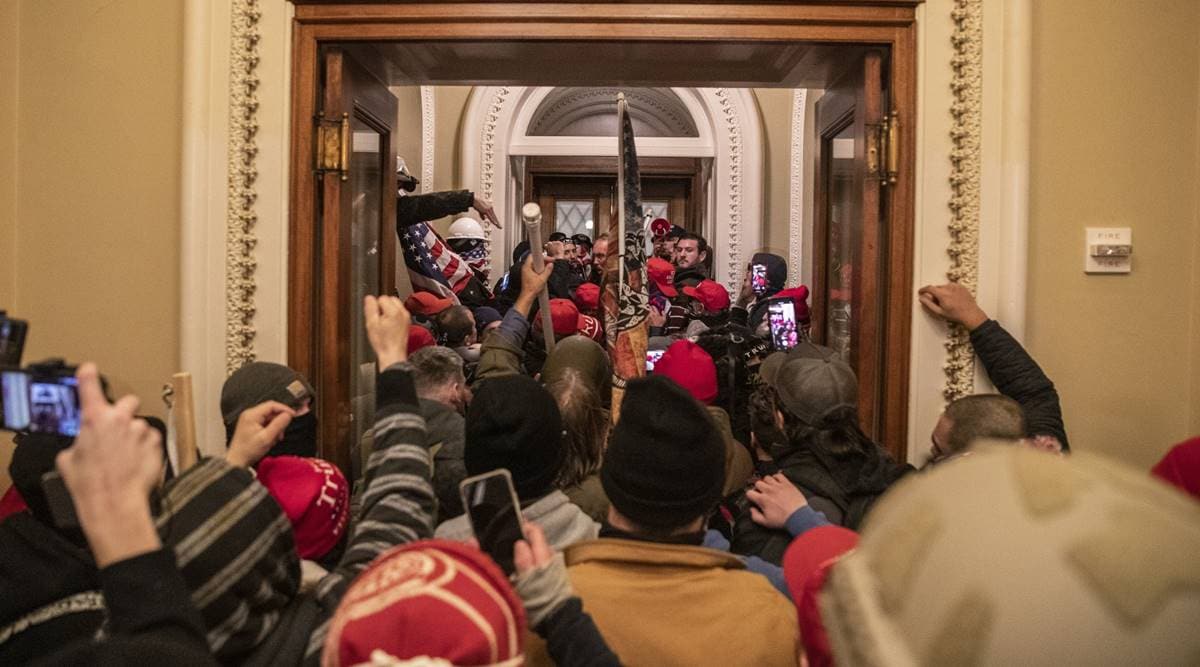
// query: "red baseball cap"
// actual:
[[691, 368], [711, 294], [427, 304], [435, 599], [315, 497], [662, 274], [587, 296], [806, 564], [419, 337]]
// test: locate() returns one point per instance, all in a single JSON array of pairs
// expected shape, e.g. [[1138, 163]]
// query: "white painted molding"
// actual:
[[796, 208], [730, 133], [1015, 148], [428, 138]]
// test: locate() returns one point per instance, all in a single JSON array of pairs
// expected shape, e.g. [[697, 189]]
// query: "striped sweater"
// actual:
[[397, 508]]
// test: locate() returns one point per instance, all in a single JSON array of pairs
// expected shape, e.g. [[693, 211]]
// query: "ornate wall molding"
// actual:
[[487, 166], [733, 226], [796, 188], [241, 217], [965, 181], [428, 137]]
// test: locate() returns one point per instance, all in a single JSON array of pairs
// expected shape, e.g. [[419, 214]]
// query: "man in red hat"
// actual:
[[666, 318], [425, 305]]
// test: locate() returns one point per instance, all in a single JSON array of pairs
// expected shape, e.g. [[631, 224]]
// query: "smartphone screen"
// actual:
[[491, 505], [40, 403], [758, 278], [782, 316], [14, 400], [652, 357], [12, 341]]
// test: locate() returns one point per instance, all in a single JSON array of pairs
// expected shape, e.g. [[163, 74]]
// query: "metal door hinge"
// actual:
[[883, 149], [333, 146]]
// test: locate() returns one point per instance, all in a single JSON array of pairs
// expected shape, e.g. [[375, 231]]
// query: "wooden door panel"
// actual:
[[356, 255], [849, 275]]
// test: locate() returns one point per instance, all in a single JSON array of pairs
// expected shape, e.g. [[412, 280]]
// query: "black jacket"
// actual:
[[44, 574], [1017, 376], [412, 209], [843, 489], [150, 618]]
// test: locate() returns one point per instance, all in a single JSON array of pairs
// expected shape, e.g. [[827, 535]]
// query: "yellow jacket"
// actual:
[[669, 604]]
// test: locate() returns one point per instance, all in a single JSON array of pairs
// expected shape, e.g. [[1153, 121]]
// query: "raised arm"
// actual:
[[412, 209], [398, 503], [502, 350], [1007, 363]]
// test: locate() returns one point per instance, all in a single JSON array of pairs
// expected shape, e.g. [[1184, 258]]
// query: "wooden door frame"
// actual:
[[886, 23]]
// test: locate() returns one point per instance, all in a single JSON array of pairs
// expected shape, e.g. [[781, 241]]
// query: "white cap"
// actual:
[[466, 228]]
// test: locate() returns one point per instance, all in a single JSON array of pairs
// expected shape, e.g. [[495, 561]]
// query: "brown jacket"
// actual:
[[670, 604]]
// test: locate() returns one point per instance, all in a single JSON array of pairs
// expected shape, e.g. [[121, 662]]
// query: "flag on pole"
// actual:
[[432, 266], [626, 301]]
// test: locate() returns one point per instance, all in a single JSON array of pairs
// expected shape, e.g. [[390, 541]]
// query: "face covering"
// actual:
[[299, 438]]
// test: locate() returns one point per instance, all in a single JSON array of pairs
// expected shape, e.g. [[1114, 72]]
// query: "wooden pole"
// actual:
[[532, 214], [184, 415]]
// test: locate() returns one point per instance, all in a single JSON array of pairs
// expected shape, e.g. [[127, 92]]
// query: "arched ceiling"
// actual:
[[592, 112]]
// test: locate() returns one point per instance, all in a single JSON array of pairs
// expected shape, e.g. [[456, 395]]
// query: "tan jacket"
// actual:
[[669, 604]]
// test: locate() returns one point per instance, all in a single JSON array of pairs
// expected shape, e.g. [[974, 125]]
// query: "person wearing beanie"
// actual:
[[261, 381], [316, 499], [689, 366], [438, 602], [652, 589], [397, 501], [486, 319], [1012, 556], [514, 423]]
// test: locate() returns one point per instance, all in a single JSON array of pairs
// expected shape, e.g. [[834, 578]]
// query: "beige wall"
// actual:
[[775, 109], [1115, 142], [90, 103]]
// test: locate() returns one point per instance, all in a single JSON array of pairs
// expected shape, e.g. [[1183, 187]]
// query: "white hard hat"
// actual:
[[466, 228]]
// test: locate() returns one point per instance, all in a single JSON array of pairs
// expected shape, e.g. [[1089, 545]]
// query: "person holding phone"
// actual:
[[514, 423]]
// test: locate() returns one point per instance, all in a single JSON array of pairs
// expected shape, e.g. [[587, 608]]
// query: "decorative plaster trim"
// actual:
[[428, 146], [241, 217], [796, 188], [733, 227], [487, 166], [965, 177]]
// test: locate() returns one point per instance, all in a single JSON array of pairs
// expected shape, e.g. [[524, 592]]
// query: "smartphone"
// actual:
[[652, 357], [12, 341], [782, 317], [758, 278], [40, 402], [492, 506]]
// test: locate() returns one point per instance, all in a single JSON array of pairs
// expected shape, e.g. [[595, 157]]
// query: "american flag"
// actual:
[[432, 266]]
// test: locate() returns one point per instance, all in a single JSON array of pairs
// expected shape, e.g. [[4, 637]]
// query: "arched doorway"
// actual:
[[502, 129]]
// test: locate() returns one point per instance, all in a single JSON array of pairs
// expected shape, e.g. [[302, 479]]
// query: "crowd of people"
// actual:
[[734, 512]]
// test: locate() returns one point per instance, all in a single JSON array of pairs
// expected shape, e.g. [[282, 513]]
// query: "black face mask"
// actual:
[[299, 438]]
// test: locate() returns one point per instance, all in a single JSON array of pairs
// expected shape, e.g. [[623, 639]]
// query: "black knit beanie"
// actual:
[[260, 381], [665, 462], [513, 423]]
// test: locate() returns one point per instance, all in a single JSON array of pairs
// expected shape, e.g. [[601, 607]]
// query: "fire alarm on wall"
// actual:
[[1108, 250]]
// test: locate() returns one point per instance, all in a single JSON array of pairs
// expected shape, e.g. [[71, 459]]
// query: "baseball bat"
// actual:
[[531, 213]]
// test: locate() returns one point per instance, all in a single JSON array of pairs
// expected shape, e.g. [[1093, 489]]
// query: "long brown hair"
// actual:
[[585, 426]]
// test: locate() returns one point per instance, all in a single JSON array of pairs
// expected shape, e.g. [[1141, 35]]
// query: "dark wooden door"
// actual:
[[356, 252], [852, 201]]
